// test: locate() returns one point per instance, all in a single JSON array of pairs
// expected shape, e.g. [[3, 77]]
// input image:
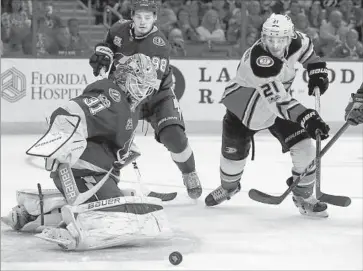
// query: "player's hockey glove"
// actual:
[[318, 77], [354, 110], [102, 57], [311, 122]]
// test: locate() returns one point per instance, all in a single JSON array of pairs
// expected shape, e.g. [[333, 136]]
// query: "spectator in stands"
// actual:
[[126, 9], [294, 11], [315, 15], [185, 25], [27, 7], [51, 20], [77, 42], [332, 33], [254, 14], [210, 28], [61, 43], [350, 49], [351, 15], [223, 12], [302, 25], [305, 5], [166, 19], [266, 10], [251, 38], [280, 6], [176, 41], [5, 6], [14, 28], [194, 11], [234, 26], [98, 9]]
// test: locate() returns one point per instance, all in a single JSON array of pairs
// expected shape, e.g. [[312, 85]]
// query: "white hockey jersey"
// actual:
[[260, 91]]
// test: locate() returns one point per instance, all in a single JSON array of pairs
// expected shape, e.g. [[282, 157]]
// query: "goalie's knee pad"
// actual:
[[89, 227]]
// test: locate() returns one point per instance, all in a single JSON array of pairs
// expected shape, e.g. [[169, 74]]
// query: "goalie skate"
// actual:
[[220, 194]]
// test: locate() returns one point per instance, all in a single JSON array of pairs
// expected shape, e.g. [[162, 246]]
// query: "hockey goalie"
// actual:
[[88, 142]]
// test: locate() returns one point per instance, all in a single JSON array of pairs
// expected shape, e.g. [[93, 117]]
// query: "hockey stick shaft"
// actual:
[[269, 199], [318, 146], [331, 199]]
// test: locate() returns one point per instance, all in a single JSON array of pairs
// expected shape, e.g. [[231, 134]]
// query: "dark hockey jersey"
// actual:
[[105, 113], [121, 40], [260, 90]]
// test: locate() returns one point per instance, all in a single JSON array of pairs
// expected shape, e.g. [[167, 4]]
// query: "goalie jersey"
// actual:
[[260, 91], [105, 112]]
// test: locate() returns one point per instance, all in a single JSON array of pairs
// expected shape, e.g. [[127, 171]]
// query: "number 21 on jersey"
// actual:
[[271, 91]]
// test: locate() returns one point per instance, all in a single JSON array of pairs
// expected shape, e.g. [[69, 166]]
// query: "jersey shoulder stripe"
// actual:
[[264, 64], [295, 45]]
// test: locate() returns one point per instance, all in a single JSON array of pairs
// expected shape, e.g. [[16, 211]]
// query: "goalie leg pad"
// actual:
[[92, 228]]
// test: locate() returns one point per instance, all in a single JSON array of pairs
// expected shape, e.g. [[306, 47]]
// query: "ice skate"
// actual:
[[18, 217], [220, 194], [305, 200], [191, 181]]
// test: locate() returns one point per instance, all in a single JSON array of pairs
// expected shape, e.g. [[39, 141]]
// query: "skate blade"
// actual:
[[323, 214]]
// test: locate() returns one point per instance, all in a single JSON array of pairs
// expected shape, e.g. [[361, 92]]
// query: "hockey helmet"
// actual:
[[277, 33], [149, 5], [137, 77]]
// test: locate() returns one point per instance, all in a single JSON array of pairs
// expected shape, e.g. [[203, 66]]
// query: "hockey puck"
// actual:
[[175, 258]]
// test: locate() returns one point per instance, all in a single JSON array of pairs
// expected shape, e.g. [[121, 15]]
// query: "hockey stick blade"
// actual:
[[259, 196], [163, 196], [269, 199], [341, 201]]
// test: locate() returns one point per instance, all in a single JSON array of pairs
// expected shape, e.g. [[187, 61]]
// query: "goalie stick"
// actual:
[[331, 199], [275, 200]]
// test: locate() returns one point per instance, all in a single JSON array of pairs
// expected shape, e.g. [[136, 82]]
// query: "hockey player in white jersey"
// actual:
[[258, 98]]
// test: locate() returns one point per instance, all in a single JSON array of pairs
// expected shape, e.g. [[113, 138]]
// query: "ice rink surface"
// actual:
[[240, 234]]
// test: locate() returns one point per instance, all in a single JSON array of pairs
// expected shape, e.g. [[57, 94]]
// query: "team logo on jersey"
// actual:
[[158, 41], [115, 95], [265, 61], [117, 41], [129, 125], [230, 150]]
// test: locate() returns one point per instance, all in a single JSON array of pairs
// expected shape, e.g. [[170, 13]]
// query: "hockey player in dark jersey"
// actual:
[[258, 98], [161, 109], [354, 109], [89, 140]]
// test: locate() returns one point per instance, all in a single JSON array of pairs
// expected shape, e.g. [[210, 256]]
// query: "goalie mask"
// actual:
[[137, 77], [277, 33]]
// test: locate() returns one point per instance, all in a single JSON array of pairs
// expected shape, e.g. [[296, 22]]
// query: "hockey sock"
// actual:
[[175, 140]]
